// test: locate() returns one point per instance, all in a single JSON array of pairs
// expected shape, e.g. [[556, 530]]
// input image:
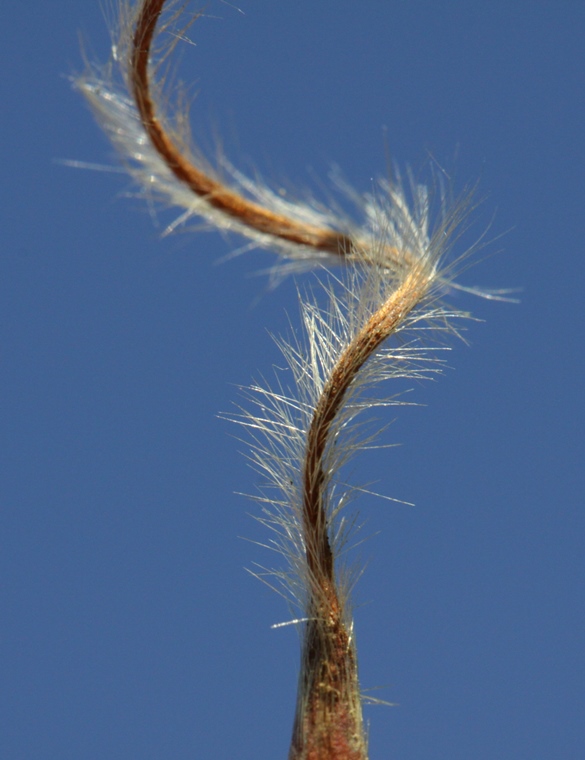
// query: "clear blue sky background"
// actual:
[[128, 626]]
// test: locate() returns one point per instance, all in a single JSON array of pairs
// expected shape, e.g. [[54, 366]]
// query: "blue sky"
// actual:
[[129, 627]]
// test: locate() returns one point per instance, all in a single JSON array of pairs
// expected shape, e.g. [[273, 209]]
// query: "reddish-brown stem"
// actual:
[[246, 212], [328, 722], [379, 327]]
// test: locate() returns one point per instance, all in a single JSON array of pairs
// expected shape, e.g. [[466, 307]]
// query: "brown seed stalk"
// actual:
[[223, 199], [328, 722]]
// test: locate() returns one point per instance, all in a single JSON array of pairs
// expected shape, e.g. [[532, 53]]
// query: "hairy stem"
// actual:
[[328, 722], [223, 199]]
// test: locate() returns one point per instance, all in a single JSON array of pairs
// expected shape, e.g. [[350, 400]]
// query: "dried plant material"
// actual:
[[305, 432], [384, 310]]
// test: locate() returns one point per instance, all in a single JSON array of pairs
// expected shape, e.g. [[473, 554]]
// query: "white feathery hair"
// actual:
[[107, 89], [395, 236], [383, 319], [278, 415]]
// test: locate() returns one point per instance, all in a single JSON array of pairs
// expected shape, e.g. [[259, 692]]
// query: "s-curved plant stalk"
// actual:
[[303, 431]]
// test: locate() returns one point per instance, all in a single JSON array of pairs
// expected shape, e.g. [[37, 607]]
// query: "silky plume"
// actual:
[[385, 309]]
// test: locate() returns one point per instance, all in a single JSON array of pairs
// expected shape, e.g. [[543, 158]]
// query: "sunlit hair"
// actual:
[[382, 314]]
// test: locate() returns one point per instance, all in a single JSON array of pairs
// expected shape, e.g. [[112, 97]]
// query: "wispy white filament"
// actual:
[[382, 315], [279, 415], [108, 90]]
